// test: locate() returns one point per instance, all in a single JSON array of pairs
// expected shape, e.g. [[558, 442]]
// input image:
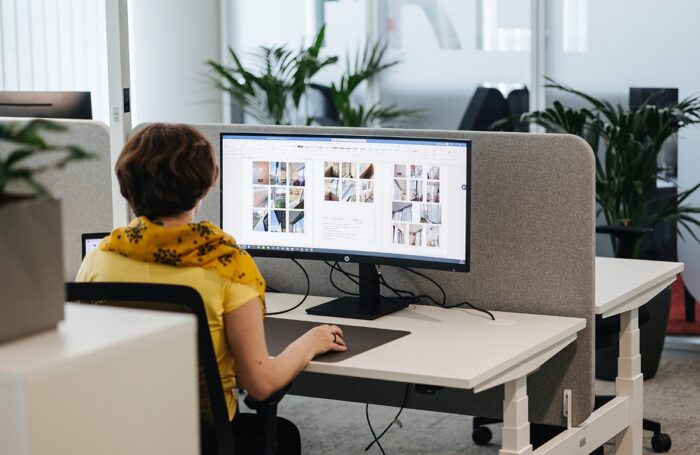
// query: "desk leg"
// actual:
[[516, 427], [629, 382]]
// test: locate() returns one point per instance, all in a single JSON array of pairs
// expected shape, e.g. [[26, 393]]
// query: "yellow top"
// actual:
[[221, 295]]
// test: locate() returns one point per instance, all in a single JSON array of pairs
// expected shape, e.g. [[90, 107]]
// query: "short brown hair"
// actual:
[[164, 169]]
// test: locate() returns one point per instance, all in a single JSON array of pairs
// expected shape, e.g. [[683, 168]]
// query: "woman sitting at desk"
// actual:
[[164, 171]]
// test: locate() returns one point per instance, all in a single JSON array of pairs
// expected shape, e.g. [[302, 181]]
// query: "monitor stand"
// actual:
[[369, 305]]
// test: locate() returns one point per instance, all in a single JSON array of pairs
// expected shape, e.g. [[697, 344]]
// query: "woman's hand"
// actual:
[[324, 338], [261, 374]]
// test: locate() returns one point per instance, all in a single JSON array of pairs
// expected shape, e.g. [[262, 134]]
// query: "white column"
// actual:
[[119, 87], [373, 94], [516, 427], [629, 382], [538, 53]]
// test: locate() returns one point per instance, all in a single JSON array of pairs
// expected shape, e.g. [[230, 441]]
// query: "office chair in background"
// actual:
[[329, 114], [488, 106], [216, 431]]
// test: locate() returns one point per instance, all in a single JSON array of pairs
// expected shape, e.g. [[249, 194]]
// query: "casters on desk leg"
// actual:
[[481, 435], [661, 442]]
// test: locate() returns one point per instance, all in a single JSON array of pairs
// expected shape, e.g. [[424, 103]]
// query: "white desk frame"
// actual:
[[519, 344], [622, 286]]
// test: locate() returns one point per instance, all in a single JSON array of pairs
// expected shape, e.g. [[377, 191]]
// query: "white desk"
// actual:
[[104, 382], [622, 286], [434, 353]]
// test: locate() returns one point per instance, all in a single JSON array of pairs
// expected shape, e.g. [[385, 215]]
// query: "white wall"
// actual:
[[643, 43], [170, 40]]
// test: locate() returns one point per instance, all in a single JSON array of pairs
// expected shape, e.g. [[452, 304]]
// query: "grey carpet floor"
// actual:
[[335, 427]]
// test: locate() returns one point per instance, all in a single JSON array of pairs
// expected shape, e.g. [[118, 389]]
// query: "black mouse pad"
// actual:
[[280, 332]]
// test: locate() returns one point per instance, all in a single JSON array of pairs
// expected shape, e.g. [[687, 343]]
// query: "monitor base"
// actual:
[[354, 308]]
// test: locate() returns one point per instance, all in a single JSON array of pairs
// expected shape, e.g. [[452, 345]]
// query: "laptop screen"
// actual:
[[92, 240]]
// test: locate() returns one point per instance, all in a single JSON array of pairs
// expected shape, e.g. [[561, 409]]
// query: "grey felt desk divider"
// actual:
[[532, 251], [84, 187]]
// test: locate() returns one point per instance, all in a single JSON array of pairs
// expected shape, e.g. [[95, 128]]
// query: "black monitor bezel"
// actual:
[[90, 236], [349, 257]]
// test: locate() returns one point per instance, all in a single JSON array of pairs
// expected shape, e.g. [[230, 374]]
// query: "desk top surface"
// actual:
[[618, 281], [86, 333], [451, 348]]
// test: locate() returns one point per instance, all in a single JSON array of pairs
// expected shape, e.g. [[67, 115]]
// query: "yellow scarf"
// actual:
[[190, 245]]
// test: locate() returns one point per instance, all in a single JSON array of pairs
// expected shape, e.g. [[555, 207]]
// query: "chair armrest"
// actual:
[[272, 400]]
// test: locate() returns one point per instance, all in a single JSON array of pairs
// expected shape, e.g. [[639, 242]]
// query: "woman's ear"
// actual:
[[198, 207]]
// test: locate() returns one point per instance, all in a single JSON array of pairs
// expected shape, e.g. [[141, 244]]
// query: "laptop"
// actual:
[[92, 240]]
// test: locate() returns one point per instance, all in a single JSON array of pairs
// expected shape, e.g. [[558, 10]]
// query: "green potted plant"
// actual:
[[627, 143], [271, 90], [31, 273], [277, 81], [368, 63]]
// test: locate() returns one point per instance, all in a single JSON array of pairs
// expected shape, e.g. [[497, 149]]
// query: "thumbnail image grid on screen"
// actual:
[[278, 196]]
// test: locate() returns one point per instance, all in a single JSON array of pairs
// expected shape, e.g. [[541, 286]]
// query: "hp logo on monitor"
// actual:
[[347, 258]]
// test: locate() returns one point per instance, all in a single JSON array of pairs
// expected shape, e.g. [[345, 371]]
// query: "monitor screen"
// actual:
[[91, 240], [381, 200]]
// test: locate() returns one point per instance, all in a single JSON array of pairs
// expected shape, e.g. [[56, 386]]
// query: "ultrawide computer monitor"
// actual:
[[370, 200]]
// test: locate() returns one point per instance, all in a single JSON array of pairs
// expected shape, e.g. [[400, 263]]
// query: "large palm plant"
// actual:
[[627, 142], [276, 82], [368, 63], [271, 90]]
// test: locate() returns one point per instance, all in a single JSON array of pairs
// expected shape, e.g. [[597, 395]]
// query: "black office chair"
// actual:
[[486, 107], [488, 110], [329, 114], [216, 434], [518, 102]]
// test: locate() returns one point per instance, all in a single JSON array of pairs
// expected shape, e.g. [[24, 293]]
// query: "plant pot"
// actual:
[[31, 270]]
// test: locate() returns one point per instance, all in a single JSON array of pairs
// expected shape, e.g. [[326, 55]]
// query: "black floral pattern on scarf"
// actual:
[[203, 230], [166, 256], [135, 233], [205, 249], [225, 259]]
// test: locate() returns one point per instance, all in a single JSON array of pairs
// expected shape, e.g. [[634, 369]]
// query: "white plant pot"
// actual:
[[31, 267]]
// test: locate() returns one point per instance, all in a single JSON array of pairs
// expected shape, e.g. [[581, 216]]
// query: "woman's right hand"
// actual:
[[324, 338]]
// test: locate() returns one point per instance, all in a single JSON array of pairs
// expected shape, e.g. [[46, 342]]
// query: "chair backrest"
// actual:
[[486, 107], [329, 115], [518, 102], [216, 435]]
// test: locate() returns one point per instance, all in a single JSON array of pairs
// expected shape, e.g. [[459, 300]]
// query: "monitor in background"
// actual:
[[65, 105], [370, 200], [92, 240]]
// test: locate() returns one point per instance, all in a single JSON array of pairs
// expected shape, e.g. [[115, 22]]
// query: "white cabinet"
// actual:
[[107, 381]]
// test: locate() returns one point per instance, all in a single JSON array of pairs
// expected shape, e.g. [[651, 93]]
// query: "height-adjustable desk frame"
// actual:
[[622, 286], [434, 354]]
